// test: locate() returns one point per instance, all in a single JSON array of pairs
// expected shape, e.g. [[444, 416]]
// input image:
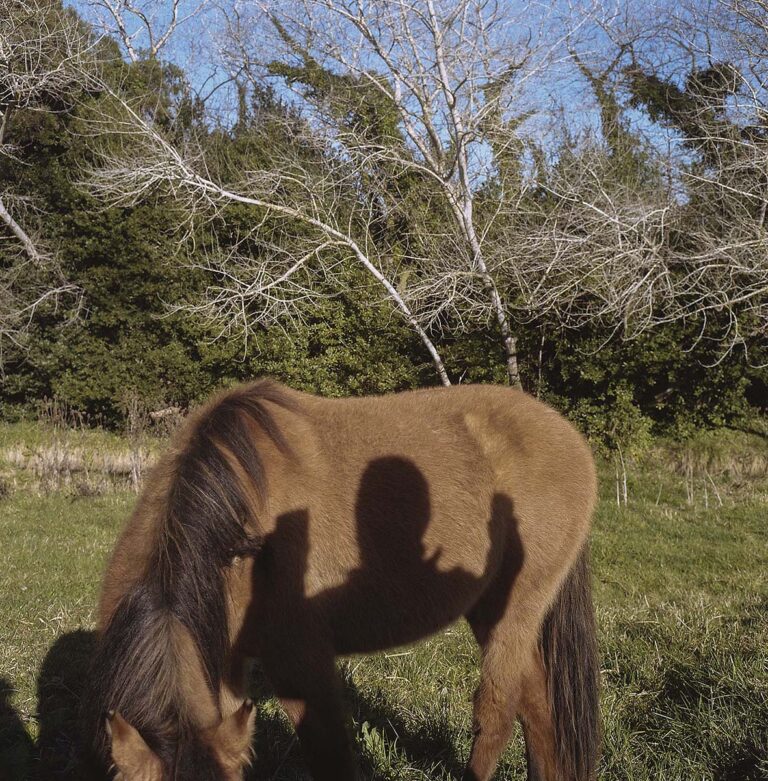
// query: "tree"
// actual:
[[451, 75], [634, 233], [46, 60], [715, 105], [405, 132], [409, 158], [135, 334], [144, 29]]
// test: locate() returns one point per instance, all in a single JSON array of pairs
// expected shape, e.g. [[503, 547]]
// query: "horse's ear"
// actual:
[[131, 755], [232, 738]]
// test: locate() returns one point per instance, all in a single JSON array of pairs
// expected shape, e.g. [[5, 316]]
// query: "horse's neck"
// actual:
[[136, 547]]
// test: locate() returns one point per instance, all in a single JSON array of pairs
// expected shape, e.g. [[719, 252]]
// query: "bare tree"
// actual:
[[410, 160], [633, 233], [144, 28], [402, 198], [46, 58], [308, 208], [454, 74]]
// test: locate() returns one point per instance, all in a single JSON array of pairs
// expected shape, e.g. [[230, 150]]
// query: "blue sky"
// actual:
[[563, 89]]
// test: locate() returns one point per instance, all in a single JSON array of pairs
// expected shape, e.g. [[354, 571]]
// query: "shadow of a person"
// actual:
[[278, 587], [16, 748], [399, 593], [425, 745], [62, 679]]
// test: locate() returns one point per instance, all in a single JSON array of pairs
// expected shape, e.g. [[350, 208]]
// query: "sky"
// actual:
[[196, 43], [561, 93]]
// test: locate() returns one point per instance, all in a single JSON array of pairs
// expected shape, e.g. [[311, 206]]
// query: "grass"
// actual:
[[682, 600], [54, 455]]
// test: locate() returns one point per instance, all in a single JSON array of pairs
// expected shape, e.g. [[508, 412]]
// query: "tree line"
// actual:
[[370, 197]]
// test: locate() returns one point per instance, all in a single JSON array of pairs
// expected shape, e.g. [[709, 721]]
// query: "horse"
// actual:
[[291, 529]]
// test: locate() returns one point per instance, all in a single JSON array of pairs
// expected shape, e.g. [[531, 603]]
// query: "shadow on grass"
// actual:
[[276, 750], [16, 748], [64, 674], [60, 684], [62, 679], [278, 753], [743, 764], [423, 748]]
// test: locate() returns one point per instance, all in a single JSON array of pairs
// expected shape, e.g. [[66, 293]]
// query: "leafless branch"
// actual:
[[145, 27], [46, 59]]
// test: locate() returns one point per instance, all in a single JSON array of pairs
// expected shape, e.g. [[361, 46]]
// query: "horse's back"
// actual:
[[397, 511], [468, 443]]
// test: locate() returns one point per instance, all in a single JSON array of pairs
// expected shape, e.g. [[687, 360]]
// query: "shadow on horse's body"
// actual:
[[293, 529]]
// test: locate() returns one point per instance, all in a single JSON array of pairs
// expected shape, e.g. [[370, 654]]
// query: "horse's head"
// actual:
[[219, 753]]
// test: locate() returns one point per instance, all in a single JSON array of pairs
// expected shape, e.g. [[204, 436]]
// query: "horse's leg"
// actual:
[[497, 698], [536, 718], [506, 622], [310, 694]]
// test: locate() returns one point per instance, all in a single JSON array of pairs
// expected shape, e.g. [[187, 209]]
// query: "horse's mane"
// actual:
[[217, 480]]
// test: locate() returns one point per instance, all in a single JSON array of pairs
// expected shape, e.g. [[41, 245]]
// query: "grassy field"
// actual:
[[681, 588]]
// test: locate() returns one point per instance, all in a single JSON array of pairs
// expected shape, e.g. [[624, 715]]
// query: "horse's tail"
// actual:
[[569, 650]]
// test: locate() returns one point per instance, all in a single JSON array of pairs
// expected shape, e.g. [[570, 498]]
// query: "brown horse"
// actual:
[[293, 529]]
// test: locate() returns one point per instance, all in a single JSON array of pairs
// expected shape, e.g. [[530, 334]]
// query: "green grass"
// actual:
[[682, 601]]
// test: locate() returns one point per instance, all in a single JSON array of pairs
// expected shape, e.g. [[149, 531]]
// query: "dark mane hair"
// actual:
[[217, 483]]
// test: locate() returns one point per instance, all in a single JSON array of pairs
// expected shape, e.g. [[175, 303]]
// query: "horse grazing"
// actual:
[[292, 529]]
